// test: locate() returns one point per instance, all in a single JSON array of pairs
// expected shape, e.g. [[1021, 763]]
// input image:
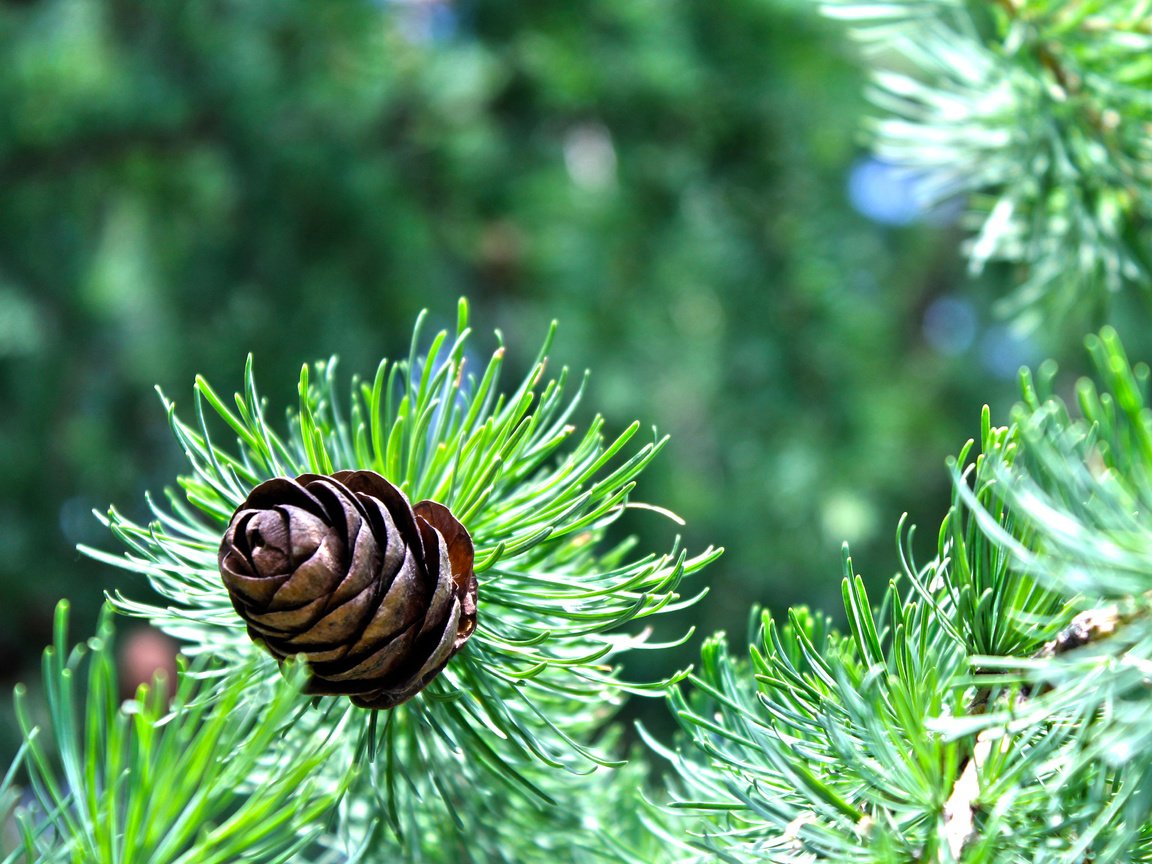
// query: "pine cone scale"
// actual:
[[333, 628], [306, 531], [316, 577], [286, 621], [399, 609], [455, 537], [443, 589], [444, 647], [375, 594], [406, 683], [338, 508], [363, 567], [375, 666], [250, 589], [266, 535], [460, 556], [384, 526], [282, 492]]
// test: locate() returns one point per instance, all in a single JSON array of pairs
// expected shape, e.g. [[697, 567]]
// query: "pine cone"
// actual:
[[375, 593]]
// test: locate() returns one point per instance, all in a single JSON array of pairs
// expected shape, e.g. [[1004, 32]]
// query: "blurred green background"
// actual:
[[682, 184]]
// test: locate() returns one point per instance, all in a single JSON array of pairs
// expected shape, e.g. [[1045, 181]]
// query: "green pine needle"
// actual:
[[820, 746], [1081, 484], [997, 709], [1037, 113], [196, 781]]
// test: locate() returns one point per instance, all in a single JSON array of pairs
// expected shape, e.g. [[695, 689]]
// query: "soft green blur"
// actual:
[[182, 183]]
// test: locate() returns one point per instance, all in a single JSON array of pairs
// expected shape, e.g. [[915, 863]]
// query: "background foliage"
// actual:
[[684, 187]]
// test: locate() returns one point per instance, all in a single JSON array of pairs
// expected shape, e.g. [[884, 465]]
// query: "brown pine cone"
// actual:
[[375, 593]]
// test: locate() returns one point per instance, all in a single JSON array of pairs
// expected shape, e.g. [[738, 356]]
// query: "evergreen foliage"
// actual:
[[1035, 111], [995, 708], [206, 777], [989, 704], [538, 679], [187, 185]]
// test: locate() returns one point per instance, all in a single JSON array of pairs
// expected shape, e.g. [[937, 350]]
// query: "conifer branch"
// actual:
[[537, 680], [1035, 112], [996, 708], [206, 778]]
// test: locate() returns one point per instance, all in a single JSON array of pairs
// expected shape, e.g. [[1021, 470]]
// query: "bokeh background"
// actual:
[[683, 185]]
